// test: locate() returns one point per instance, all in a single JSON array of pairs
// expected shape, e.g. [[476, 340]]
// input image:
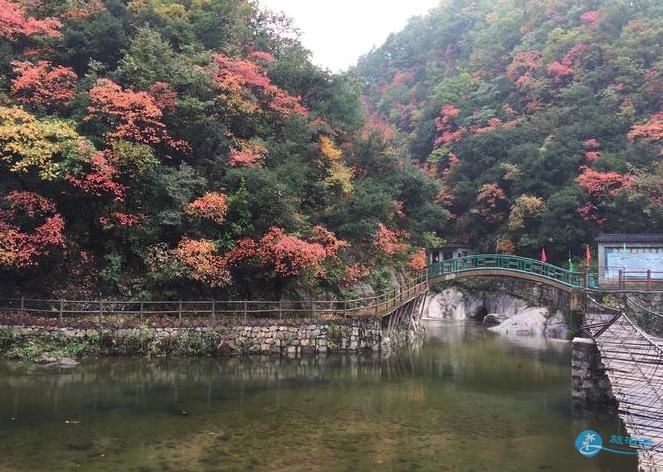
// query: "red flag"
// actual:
[[588, 256], [544, 258]]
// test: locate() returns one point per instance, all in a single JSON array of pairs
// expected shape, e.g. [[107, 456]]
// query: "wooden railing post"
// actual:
[[61, 308], [621, 279], [280, 309], [179, 311], [142, 309], [22, 306], [214, 309], [648, 279]]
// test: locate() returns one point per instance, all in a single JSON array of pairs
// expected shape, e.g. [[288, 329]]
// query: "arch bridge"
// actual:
[[501, 265]]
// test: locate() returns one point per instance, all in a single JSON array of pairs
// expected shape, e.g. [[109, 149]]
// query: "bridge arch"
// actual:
[[500, 265]]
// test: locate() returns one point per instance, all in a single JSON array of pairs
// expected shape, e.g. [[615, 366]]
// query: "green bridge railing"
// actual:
[[518, 264]]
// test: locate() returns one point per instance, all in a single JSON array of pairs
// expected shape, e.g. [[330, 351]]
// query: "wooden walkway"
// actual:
[[634, 365], [381, 305]]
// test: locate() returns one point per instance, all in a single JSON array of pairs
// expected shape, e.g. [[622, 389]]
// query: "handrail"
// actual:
[[377, 305], [654, 313], [512, 264]]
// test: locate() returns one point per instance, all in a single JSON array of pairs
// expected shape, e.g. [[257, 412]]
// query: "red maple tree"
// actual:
[[24, 240], [44, 84], [14, 22], [134, 116]]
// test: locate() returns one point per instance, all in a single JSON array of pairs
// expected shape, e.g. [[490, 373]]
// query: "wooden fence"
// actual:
[[622, 279], [378, 305]]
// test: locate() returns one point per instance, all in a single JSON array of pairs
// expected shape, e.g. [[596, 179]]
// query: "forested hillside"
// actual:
[[541, 119], [161, 148]]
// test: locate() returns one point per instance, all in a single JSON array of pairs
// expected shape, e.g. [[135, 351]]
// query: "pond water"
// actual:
[[465, 400]]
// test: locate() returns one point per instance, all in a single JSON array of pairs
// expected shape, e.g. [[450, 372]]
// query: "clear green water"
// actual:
[[464, 401]]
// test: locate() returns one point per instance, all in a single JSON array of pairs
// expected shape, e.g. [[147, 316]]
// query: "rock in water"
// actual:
[[528, 322], [493, 319], [67, 362]]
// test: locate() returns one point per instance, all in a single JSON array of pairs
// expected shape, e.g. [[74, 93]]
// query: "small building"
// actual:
[[634, 258], [448, 251]]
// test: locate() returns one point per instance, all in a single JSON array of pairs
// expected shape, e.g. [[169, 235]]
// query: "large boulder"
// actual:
[[449, 304], [506, 314], [527, 322], [505, 305], [534, 321]]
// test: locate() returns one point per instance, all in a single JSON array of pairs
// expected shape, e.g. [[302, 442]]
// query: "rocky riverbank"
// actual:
[[503, 308]]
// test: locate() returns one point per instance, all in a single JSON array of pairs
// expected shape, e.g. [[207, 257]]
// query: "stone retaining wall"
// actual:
[[268, 338], [591, 386]]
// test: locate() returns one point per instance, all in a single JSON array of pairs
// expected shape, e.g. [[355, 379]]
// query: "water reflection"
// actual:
[[463, 400]]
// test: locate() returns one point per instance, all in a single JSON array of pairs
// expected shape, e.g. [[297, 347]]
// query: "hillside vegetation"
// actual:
[[160, 148], [541, 119]]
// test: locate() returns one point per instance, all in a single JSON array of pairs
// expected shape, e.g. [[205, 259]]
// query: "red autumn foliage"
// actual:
[[135, 116], [602, 184], [505, 246], [262, 56], [560, 71], [651, 130], [328, 240], [389, 241], [20, 248], [496, 123], [30, 203], [449, 137], [654, 82], [449, 111], [290, 255], [399, 209], [592, 147], [448, 132], [44, 84], [99, 177], [211, 206], [489, 197], [403, 77], [375, 124], [590, 212], [247, 153], [285, 104], [163, 95], [82, 9], [444, 196], [202, 262], [418, 260], [523, 63], [244, 249], [574, 54], [14, 22], [490, 194], [590, 18], [454, 161], [235, 75], [127, 220], [354, 273]]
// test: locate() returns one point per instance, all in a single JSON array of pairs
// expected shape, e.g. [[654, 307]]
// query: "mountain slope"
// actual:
[[163, 148], [542, 120]]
